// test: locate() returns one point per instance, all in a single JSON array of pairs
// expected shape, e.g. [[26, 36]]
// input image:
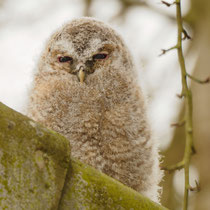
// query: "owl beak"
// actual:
[[81, 74]]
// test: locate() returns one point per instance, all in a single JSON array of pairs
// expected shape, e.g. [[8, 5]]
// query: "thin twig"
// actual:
[[197, 187], [178, 124], [164, 51], [207, 80], [180, 95], [186, 92], [126, 4], [186, 35], [167, 3], [174, 167], [88, 4]]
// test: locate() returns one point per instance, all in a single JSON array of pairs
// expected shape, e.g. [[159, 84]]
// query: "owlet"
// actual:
[[85, 88]]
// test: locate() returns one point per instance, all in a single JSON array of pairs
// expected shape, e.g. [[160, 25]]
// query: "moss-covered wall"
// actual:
[[87, 188], [33, 163], [36, 172]]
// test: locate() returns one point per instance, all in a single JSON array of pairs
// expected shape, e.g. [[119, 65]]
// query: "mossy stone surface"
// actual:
[[36, 173], [88, 189], [33, 163]]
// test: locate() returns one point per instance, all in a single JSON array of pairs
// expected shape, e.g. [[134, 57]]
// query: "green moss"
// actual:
[[87, 188], [33, 163]]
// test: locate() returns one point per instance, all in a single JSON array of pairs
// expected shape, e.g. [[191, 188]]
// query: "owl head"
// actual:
[[87, 49]]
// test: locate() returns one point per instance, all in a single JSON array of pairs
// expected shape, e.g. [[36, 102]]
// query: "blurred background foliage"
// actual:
[[147, 26]]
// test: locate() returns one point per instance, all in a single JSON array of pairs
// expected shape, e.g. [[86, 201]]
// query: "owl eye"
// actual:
[[64, 59], [100, 56]]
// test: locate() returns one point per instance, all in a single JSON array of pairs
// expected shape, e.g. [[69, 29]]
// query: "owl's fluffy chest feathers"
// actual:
[[98, 127], [109, 138], [88, 114]]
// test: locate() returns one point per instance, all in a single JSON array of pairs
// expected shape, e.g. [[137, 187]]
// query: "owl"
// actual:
[[85, 88]]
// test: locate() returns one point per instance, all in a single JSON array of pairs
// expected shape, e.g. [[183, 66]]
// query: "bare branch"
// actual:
[[178, 124], [189, 147], [174, 167], [207, 80], [164, 51], [126, 4], [193, 150], [167, 3], [88, 4], [197, 187], [186, 35], [180, 95], [187, 94]]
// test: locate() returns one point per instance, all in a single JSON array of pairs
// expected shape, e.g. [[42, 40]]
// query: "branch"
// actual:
[[178, 124], [207, 80], [126, 4], [186, 35], [187, 94], [180, 95], [174, 167], [164, 51], [167, 3], [88, 4], [197, 187]]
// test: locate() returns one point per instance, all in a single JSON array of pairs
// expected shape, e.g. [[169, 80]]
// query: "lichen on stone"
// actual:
[[86, 188], [33, 163]]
